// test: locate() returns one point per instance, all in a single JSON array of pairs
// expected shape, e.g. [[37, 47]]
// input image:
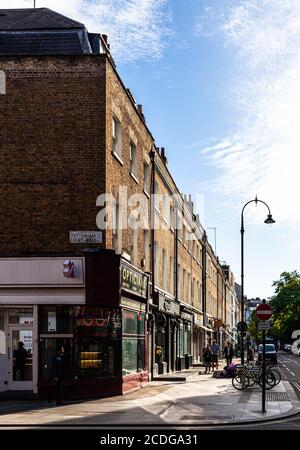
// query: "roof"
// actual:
[[66, 43], [35, 19]]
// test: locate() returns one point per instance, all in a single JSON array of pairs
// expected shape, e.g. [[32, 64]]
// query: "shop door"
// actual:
[[20, 357]]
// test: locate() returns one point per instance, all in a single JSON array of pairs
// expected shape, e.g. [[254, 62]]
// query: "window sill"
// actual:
[[134, 177], [118, 158], [165, 220], [157, 210]]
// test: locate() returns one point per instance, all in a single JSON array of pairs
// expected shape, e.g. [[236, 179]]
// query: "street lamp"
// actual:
[[269, 220]]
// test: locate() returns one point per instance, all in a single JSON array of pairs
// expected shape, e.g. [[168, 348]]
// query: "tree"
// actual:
[[286, 306]]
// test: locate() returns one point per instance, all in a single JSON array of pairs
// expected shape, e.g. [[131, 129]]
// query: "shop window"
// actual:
[[133, 341], [48, 351], [97, 341], [21, 316], [56, 320], [133, 351]]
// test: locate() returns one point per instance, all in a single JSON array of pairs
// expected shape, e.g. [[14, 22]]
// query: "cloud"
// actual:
[[262, 154], [137, 29]]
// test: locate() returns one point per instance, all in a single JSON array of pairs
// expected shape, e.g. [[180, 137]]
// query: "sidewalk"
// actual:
[[199, 400]]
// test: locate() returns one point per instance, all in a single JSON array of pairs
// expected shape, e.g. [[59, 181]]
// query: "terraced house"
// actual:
[[102, 255]]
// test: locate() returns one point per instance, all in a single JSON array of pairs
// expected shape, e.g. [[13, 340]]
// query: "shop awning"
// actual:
[[229, 335]]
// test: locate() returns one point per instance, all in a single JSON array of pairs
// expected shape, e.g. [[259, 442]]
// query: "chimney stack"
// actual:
[[140, 111], [163, 155]]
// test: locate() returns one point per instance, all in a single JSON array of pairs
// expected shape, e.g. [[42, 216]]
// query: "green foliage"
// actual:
[[286, 306]]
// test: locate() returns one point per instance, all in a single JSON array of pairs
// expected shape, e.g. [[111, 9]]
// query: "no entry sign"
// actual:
[[264, 312]]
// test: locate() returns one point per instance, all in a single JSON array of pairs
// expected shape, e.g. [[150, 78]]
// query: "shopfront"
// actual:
[[167, 320], [198, 338], [184, 337], [92, 308]]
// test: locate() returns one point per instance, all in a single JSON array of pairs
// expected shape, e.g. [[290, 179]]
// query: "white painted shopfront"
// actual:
[[26, 283]]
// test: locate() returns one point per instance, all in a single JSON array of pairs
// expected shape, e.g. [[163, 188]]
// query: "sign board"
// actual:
[[133, 304], [264, 326], [264, 312], [133, 281], [85, 237]]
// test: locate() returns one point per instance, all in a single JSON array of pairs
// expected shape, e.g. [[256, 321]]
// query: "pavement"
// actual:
[[200, 400]]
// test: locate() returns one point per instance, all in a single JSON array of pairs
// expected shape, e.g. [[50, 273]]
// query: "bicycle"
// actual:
[[249, 376]]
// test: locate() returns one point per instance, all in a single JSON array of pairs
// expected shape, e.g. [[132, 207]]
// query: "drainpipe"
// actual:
[[152, 154]]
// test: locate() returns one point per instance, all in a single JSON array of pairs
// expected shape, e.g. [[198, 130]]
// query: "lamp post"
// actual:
[[269, 220]]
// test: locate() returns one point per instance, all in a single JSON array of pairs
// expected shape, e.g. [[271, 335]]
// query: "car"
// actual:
[[270, 354], [287, 347]]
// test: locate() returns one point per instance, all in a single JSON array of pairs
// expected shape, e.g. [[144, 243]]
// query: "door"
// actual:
[[20, 357]]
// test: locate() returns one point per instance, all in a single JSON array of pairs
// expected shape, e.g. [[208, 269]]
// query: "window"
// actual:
[[184, 235], [147, 249], [156, 197], [116, 135], [183, 285], [166, 208], [132, 239], [56, 320], [133, 159], [164, 269], [171, 275], [146, 178], [156, 263], [172, 218], [178, 281], [189, 288], [97, 341], [133, 342], [115, 227]]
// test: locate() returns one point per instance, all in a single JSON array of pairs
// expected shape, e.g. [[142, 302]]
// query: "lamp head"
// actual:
[[269, 219]]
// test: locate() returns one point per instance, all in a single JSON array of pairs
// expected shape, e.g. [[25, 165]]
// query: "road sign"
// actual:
[[264, 325], [264, 312], [242, 327], [85, 237]]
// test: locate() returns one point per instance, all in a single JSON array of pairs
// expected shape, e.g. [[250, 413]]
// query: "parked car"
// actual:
[[287, 347], [270, 352]]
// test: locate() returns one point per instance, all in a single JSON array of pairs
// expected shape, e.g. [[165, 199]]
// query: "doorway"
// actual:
[[20, 357]]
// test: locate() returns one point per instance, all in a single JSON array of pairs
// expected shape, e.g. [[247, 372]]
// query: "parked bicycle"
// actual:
[[249, 376]]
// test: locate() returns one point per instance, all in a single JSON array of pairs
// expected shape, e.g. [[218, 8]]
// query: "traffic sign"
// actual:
[[264, 312], [264, 325]]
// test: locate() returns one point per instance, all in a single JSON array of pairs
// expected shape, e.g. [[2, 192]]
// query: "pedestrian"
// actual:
[[228, 353], [207, 358], [20, 355], [58, 369], [215, 349]]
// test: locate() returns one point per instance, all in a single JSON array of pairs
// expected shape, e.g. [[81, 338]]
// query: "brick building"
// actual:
[[125, 302]]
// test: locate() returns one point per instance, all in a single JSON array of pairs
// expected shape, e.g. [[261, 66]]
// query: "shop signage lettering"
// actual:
[[94, 322], [187, 316], [198, 319], [133, 281], [168, 305], [132, 304]]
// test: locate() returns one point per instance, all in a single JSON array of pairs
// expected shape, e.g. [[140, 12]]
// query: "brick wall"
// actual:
[[52, 140]]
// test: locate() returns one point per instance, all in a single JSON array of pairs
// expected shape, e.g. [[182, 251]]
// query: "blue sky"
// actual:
[[219, 81]]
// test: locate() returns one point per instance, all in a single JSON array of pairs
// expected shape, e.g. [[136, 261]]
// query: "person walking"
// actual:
[[215, 349], [207, 358], [20, 355], [58, 368], [228, 353]]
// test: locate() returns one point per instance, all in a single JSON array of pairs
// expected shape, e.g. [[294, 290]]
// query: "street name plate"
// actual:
[[85, 237], [264, 325]]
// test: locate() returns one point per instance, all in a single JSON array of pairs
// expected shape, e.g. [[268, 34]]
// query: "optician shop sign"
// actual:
[[133, 281]]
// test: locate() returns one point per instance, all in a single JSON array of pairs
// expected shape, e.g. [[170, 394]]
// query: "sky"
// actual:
[[219, 81]]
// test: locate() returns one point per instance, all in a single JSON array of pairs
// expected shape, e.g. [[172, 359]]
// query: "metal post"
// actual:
[[242, 286], [264, 372]]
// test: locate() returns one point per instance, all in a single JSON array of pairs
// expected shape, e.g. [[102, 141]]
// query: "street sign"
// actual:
[[264, 325], [264, 312], [85, 237], [242, 327]]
